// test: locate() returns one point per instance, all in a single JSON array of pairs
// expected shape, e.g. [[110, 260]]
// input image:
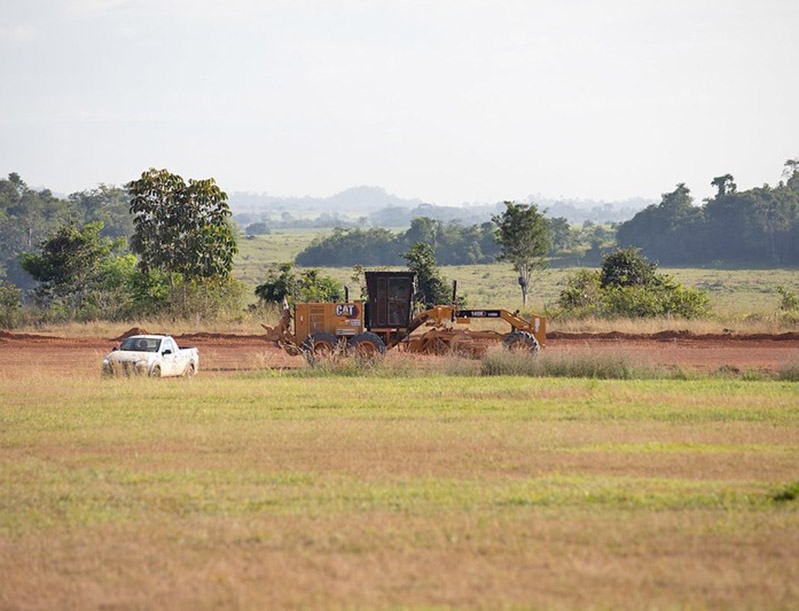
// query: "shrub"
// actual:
[[787, 493], [627, 286], [10, 305], [311, 286], [789, 300]]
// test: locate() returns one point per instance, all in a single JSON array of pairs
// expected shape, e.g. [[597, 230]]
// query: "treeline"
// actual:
[[158, 246], [453, 244], [28, 217], [755, 227]]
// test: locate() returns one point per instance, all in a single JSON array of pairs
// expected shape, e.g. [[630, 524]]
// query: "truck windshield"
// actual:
[[140, 344]]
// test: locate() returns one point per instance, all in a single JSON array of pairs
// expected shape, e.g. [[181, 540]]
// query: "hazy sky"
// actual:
[[448, 101]]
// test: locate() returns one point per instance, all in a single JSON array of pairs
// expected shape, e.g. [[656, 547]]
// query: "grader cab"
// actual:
[[386, 320]]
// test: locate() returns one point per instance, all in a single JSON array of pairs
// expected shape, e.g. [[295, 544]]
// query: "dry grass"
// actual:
[[246, 324], [442, 491]]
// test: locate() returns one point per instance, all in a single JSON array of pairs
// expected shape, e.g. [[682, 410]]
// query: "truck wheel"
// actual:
[[189, 371], [521, 341], [366, 345], [319, 345], [156, 372]]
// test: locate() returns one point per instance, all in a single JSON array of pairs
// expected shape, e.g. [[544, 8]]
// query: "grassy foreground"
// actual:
[[274, 491]]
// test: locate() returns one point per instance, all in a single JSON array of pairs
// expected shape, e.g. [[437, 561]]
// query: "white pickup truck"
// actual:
[[153, 355]]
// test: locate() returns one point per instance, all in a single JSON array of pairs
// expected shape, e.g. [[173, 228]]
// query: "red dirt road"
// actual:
[[224, 353]]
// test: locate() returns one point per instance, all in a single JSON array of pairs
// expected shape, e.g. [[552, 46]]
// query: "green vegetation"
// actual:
[[760, 223], [432, 288], [755, 227], [524, 238], [181, 229], [628, 285], [282, 283], [181, 239], [451, 243], [81, 274]]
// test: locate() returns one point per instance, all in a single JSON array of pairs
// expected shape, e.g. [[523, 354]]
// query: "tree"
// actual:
[[523, 236], [626, 267], [791, 172], [724, 184], [181, 228], [10, 304], [670, 231], [106, 203], [432, 288], [73, 268], [26, 218], [311, 286]]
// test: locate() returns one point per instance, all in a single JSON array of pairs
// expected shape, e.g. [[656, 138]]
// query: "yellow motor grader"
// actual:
[[386, 320]]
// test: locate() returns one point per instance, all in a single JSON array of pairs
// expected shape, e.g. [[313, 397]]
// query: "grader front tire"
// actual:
[[521, 341], [319, 346]]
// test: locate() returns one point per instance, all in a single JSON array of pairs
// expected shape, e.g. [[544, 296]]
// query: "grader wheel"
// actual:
[[319, 346], [366, 346], [521, 341]]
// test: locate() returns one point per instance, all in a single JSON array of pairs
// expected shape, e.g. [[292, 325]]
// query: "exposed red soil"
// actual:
[[222, 352]]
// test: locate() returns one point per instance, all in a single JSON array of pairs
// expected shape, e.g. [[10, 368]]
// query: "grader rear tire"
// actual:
[[521, 341], [318, 346], [366, 346]]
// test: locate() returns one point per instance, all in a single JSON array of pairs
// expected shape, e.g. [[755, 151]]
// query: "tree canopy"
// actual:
[[524, 238], [432, 288], [181, 228], [759, 226]]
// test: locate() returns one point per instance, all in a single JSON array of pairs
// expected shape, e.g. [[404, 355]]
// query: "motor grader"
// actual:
[[386, 320]]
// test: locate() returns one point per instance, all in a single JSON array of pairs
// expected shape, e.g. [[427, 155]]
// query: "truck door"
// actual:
[[170, 362]]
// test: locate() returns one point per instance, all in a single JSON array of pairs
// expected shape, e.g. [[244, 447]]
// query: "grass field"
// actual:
[[268, 490]]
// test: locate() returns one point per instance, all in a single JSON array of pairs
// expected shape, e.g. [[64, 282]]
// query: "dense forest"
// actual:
[[28, 217], [452, 242], [757, 227]]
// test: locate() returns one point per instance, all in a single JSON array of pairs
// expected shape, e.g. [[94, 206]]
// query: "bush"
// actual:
[[311, 286], [10, 305], [789, 300], [627, 286]]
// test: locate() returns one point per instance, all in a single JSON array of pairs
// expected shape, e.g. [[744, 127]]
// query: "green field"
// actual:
[[280, 491], [735, 294]]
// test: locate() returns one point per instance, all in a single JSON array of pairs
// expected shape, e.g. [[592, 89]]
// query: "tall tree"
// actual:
[[724, 184], [432, 287], [523, 236], [181, 228]]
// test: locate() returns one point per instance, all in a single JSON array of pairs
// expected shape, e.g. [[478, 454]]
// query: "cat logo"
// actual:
[[349, 310]]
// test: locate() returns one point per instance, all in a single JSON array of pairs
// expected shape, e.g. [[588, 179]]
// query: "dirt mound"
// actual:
[[8, 335], [130, 333], [672, 335], [219, 336]]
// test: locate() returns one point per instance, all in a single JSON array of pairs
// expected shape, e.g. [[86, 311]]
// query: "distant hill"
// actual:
[[354, 201], [382, 209]]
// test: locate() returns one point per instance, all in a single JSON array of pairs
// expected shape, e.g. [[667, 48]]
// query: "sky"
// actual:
[[446, 101]]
